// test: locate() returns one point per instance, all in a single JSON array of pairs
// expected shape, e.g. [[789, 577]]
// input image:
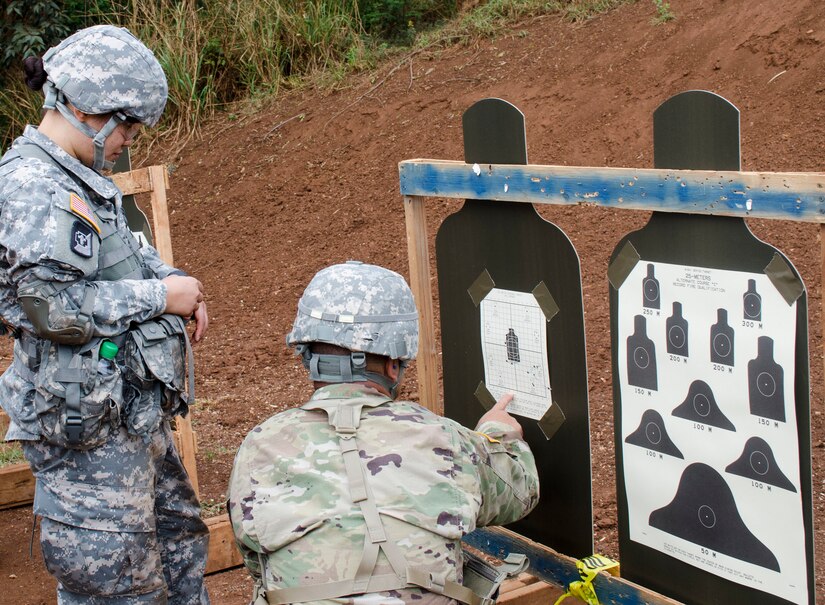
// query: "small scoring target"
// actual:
[[752, 306], [653, 433], [641, 357], [766, 384], [706, 516], [651, 290], [722, 345], [760, 463], [676, 337], [701, 404]]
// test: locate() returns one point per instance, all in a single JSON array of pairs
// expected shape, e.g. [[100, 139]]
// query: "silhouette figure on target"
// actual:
[[511, 342], [676, 328], [704, 512], [652, 434], [766, 383], [650, 289], [641, 356], [758, 462], [700, 406], [752, 303], [721, 339]]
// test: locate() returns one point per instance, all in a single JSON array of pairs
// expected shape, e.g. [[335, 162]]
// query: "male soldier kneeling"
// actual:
[[355, 497]]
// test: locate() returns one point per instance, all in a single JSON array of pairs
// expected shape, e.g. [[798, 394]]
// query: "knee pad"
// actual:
[[101, 563]]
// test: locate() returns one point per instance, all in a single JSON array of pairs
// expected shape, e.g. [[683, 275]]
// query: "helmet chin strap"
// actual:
[[57, 100], [346, 368]]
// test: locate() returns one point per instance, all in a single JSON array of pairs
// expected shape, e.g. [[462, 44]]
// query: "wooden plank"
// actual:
[[538, 593], [160, 213], [159, 182], [223, 554], [559, 570], [16, 485], [791, 196], [419, 254], [135, 181], [4, 423]]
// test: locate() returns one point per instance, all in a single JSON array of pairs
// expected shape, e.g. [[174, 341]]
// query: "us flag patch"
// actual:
[[81, 209]]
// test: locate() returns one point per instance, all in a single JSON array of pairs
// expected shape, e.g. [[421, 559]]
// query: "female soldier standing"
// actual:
[[120, 520]]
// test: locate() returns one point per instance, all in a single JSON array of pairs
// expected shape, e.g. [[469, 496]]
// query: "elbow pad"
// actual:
[[40, 302]]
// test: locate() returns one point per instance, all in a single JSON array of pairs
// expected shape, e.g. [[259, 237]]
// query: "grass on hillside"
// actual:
[[231, 54]]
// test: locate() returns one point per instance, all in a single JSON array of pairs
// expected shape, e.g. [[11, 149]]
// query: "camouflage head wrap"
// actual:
[[361, 308], [101, 70]]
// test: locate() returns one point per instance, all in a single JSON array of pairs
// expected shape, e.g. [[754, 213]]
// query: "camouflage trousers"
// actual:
[[120, 522]]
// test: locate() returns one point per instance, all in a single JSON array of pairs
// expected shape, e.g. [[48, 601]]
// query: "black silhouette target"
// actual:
[[697, 130], [518, 250], [700, 406], [752, 303], [766, 383], [721, 339], [652, 434], [650, 289], [758, 462], [704, 512], [676, 328], [641, 357]]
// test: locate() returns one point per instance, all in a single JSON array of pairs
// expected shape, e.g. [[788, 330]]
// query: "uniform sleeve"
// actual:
[[239, 506], [159, 269], [507, 475], [35, 240]]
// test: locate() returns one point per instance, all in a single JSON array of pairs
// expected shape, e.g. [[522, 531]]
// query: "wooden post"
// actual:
[[185, 436], [419, 254]]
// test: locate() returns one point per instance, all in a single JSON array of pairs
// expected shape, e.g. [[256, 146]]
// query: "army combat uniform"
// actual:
[[293, 505], [120, 519]]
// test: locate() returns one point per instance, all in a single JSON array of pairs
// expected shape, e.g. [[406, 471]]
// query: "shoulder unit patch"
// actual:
[[81, 239]]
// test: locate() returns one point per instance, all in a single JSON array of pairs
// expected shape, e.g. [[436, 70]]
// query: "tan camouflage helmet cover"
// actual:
[[359, 307], [105, 69]]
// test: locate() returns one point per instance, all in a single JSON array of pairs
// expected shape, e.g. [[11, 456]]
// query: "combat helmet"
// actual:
[[360, 307], [104, 69]]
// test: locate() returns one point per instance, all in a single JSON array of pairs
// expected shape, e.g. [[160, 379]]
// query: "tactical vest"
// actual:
[[481, 579], [76, 406]]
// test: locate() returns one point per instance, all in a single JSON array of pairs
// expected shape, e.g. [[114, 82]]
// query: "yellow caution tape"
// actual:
[[589, 568]]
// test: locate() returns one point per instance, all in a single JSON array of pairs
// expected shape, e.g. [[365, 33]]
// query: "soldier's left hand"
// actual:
[[201, 322]]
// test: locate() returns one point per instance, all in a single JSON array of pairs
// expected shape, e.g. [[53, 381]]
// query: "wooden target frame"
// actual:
[[767, 195]]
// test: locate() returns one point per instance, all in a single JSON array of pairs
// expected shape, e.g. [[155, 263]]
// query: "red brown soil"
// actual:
[[262, 202]]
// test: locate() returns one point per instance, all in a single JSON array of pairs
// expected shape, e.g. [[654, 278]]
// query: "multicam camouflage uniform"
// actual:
[[120, 521], [433, 481]]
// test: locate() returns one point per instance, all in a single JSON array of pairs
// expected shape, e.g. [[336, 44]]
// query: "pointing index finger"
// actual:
[[503, 402]]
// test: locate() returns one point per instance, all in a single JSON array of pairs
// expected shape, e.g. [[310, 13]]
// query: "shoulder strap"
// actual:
[[27, 150], [344, 416]]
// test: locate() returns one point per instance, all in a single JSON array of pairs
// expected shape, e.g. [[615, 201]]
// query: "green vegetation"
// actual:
[[663, 12], [10, 453], [212, 508], [217, 53]]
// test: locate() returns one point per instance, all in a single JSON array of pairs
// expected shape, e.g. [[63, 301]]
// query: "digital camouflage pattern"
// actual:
[[120, 520], [35, 230], [102, 506], [433, 481], [103, 69], [358, 307]]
